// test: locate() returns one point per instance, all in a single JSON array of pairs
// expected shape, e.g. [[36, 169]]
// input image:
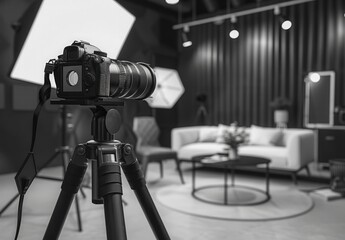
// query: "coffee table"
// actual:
[[230, 165]]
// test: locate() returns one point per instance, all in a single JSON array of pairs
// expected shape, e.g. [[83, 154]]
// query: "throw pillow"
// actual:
[[277, 139], [221, 133], [264, 136], [208, 134]]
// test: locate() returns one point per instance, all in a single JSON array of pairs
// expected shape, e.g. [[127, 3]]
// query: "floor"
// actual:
[[325, 222]]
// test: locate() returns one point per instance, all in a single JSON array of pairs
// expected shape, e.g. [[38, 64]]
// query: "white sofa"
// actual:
[[292, 149]]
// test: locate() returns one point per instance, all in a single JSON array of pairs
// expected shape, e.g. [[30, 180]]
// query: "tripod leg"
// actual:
[[82, 192], [65, 158], [113, 212], [110, 189], [136, 180], [70, 186], [80, 226]]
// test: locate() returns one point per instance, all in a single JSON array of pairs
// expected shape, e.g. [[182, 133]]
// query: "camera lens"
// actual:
[[72, 78], [131, 80]]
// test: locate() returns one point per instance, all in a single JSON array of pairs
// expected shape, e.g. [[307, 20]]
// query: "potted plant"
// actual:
[[281, 108], [234, 138]]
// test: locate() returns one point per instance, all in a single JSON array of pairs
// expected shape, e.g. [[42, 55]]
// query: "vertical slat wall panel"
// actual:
[[330, 33], [321, 37], [301, 59], [292, 67], [248, 58], [268, 89], [255, 73], [262, 81], [234, 57], [340, 58], [229, 93], [242, 76]]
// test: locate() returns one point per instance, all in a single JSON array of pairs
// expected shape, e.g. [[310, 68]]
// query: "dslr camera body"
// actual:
[[85, 72]]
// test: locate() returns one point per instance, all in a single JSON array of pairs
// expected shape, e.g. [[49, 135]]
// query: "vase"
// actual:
[[281, 118], [233, 153]]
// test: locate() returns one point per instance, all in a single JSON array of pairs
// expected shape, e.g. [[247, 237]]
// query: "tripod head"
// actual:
[[105, 123], [106, 119]]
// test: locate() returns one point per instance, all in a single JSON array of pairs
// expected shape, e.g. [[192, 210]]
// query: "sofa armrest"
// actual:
[[184, 135], [300, 148]]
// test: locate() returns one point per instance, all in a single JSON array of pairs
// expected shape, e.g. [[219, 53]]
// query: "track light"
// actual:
[[186, 42], [285, 23], [171, 2], [234, 33]]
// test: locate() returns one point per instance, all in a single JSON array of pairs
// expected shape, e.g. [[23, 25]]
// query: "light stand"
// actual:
[[65, 151], [201, 117]]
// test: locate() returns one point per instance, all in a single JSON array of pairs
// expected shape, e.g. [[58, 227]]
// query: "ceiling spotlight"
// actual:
[[285, 23], [234, 33], [186, 42], [171, 2]]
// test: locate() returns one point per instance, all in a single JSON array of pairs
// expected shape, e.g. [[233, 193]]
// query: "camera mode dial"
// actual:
[[100, 53]]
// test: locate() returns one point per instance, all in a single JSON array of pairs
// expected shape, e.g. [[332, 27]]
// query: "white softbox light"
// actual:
[[103, 23], [169, 88]]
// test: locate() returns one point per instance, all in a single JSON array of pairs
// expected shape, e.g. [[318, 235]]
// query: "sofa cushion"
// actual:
[[186, 152], [208, 134], [277, 155], [265, 136]]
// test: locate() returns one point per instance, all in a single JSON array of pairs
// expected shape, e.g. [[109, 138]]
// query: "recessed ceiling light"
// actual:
[[171, 1]]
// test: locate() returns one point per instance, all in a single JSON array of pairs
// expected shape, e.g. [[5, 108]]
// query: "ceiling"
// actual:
[[202, 8]]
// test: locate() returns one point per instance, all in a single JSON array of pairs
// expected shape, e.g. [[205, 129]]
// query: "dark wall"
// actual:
[[18, 100], [151, 40], [241, 77]]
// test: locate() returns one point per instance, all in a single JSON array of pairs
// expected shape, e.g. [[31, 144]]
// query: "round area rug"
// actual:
[[284, 203]]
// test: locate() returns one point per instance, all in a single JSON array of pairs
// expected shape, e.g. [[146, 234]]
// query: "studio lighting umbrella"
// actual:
[[169, 88]]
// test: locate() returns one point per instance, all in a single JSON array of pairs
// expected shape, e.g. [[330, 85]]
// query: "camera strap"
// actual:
[[28, 169]]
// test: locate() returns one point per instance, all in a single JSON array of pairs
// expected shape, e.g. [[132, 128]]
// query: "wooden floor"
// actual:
[[325, 222]]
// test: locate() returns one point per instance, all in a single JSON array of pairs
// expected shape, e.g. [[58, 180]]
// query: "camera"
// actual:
[[85, 72]]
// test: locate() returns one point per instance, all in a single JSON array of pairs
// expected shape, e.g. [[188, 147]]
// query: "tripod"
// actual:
[[64, 151], [107, 156]]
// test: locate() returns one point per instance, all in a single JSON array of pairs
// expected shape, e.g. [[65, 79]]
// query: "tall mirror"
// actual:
[[319, 99]]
